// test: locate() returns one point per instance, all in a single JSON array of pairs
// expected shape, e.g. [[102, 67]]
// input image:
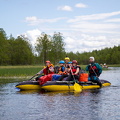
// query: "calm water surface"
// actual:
[[99, 104]]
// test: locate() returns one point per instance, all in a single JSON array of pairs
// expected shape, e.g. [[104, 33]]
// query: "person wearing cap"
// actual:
[[61, 69], [94, 70], [67, 59], [48, 69], [69, 64]]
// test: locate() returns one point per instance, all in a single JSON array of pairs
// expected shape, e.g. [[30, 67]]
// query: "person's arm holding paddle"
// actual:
[[40, 72]]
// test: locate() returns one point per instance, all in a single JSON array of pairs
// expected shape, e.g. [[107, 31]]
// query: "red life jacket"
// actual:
[[74, 68], [92, 69], [46, 70]]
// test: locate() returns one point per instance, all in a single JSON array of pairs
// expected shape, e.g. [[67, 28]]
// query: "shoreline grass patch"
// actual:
[[19, 71]]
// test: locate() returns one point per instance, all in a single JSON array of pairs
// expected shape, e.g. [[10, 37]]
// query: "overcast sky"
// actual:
[[85, 24]]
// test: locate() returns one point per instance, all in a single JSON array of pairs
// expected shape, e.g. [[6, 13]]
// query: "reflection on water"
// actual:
[[98, 104]]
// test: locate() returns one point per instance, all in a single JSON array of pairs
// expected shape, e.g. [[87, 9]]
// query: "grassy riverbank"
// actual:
[[19, 71], [25, 71], [114, 65]]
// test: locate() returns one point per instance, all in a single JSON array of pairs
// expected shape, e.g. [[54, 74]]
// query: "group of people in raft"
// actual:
[[69, 71]]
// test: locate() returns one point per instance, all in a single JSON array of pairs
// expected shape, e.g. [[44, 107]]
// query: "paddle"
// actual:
[[93, 70], [32, 77], [36, 75], [76, 86]]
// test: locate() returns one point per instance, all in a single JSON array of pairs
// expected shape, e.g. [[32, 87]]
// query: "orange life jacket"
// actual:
[[61, 70], [46, 70]]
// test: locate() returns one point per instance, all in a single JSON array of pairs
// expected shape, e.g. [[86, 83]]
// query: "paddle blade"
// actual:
[[77, 87]]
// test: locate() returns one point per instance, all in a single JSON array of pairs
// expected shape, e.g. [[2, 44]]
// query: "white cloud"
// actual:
[[33, 20], [86, 42], [89, 36], [65, 8], [33, 35], [93, 38], [93, 17], [81, 5], [95, 23], [94, 27], [113, 20]]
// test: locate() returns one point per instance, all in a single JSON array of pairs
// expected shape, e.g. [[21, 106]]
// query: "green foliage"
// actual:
[[57, 47], [19, 51], [3, 47], [43, 47], [50, 48], [22, 52], [14, 51], [107, 55]]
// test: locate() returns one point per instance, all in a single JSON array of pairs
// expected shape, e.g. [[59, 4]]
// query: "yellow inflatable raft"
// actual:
[[58, 85], [69, 86], [28, 85]]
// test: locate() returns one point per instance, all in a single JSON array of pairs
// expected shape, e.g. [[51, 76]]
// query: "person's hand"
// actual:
[[97, 75], [51, 69], [68, 73], [37, 74], [75, 74]]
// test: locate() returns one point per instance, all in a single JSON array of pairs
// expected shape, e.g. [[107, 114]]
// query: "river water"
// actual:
[[98, 104]]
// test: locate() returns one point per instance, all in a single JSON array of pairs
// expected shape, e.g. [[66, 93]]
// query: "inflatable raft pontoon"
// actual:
[[59, 85], [69, 86], [28, 85]]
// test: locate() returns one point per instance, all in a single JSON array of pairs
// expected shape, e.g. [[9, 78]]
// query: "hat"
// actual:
[[48, 61], [62, 62], [67, 58], [92, 58], [70, 62], [75, 61]]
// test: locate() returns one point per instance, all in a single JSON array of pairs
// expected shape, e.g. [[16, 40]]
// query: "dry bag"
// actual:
[[83, 77]]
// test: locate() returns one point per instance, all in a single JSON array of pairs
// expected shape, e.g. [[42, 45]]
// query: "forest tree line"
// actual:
[[19, 51]]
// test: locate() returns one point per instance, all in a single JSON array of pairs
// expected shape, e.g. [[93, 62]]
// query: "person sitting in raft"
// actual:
[[65, 73], [48, 69], [94, 71], [67, 59], [61, 69], [74, 71]]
